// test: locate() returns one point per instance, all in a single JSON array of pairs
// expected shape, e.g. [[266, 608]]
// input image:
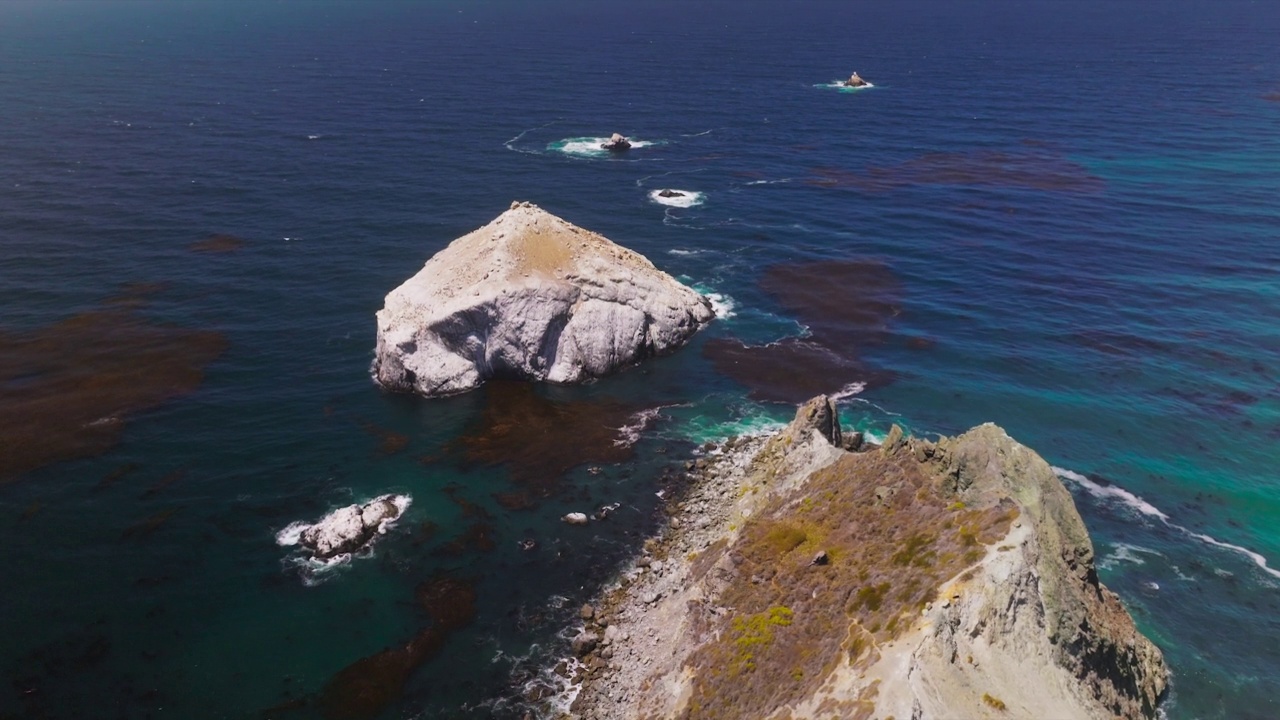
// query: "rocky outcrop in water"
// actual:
[[530, 296], [616, 143], [855, 80], [916, 579], [346, 529]]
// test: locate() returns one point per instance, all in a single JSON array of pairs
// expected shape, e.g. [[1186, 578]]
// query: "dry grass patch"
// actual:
[[893, 535]]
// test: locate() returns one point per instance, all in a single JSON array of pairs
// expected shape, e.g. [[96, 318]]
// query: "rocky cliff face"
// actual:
[[533, 297], [912, 580]]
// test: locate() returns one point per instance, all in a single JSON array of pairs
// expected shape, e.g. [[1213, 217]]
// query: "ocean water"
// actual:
[[1059, 217]]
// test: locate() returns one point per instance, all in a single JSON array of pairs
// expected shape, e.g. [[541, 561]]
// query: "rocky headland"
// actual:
[[810, 575], [533, 297]]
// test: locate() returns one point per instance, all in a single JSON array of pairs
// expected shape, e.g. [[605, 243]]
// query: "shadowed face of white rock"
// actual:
[[533, 297]]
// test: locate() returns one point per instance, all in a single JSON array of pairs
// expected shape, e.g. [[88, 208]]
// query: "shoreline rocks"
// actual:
[[913, 579], [530, 296]]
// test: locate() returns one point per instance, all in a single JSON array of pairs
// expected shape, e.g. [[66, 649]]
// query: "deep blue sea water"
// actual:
[[1063, 217]]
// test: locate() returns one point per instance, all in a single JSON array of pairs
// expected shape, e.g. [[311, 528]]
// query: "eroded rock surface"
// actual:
[[917, 579], [530, 296], [347, 529]]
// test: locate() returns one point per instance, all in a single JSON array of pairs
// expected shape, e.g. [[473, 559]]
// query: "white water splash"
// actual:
[[630, 433], [591, 146], [686, 198], [723, 305], [848, 391]]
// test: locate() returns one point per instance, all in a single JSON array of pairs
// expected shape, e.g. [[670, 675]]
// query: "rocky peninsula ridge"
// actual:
[[530, 296], [811, 575]]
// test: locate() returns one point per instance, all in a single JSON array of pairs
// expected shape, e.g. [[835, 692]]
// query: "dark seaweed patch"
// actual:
[[787, 371], [389, 441], [147, 527], [846, 305], [366, 687], [539, 439], [66, 389], [981, 168], [217, 243]]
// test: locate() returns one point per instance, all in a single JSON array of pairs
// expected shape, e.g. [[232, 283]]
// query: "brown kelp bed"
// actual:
[[67, 389], [219, 243], [891, 532], [846, 305], [368, 686], [1028, 168], [539, 439]]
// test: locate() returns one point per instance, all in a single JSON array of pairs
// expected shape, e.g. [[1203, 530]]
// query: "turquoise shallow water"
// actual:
[[1033, 219]]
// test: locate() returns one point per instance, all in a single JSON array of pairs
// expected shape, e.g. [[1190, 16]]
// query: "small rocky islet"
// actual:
[[802, 574]]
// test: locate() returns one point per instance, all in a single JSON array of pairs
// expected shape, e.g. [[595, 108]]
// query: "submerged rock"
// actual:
[[346, 529], [616, 143], [530, 296]]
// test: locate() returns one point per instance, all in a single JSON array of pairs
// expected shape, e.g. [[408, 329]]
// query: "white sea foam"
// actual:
[[680, 252], [848, 391], [839, 85], [1126, 553], [630, 433], [591, 146], [723, 305], [1257, 558], [1128, 499], [511, 144], [1111, 492], [771, 182], [686, 198], [291, 534]]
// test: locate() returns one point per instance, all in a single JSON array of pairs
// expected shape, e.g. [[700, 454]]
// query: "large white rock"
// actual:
[[534, 297]]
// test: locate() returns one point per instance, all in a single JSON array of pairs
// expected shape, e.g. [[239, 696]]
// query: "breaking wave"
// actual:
[[1124, 497], [590, 146], [686, 198]]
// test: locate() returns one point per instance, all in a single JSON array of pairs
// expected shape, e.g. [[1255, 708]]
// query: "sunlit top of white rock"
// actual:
[[530, 296]]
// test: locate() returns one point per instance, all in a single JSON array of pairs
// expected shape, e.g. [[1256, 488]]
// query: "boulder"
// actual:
[[575, 518], [530, 296], [856, 80], [616, 143], [349, 528], [584, 643], [668, 193]]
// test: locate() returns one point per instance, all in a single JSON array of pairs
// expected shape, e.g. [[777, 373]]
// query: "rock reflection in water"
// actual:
[[1040, 170], [66, 389], [846, 306], [539, 439]]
